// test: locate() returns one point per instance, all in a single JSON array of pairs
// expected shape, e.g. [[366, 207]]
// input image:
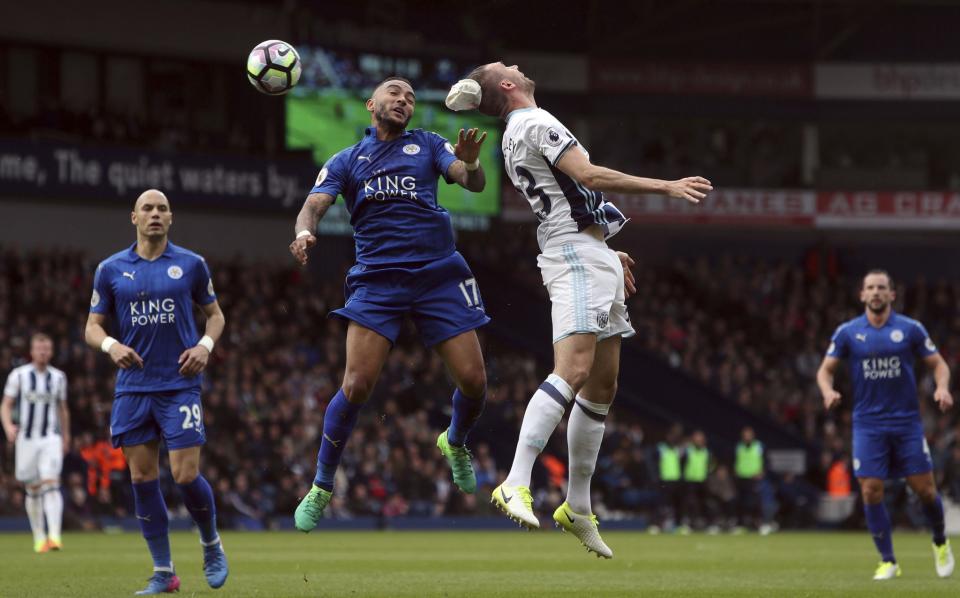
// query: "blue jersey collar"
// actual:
[[134, 256], [866, 321], [372, 132]]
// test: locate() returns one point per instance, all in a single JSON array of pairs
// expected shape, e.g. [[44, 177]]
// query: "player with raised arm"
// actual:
[[406, 264], [888, 442], [41, 439], [150, 289], [587, 281]]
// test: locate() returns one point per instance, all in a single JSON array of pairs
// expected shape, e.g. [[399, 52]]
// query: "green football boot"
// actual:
[[310, 509], [459, 459]]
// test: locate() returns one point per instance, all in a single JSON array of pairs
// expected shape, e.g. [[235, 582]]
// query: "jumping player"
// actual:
[[587, 281], [406, 264]]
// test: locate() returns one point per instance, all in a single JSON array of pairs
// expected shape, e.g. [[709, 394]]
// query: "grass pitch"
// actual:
[[482, 564]]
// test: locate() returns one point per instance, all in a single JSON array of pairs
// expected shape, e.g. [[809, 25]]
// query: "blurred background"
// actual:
[[829, 130]]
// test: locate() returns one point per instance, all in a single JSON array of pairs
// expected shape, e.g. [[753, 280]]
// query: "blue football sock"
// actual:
[[198, 498], [934, 513], [878, 521], [338, 423], [466, 412], [152, 514]]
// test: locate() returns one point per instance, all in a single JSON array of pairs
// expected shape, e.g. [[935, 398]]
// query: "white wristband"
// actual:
[[206, 342], [471, 166], [304, 233], [107, 343]]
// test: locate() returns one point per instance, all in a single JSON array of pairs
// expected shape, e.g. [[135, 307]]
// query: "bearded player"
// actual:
[[888, 442], [407, 264]]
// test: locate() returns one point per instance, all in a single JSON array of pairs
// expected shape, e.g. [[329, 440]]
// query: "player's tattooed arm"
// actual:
[[310, 215], [941, 374], [825, 375], [577, 165], [121, 355], [467, 152]]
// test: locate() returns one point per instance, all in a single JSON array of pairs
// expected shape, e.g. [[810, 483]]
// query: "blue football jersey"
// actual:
[[390, 189], [881, 366], [152, 304]]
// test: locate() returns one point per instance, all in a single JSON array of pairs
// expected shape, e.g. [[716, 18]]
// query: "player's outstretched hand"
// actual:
[[831, 399], [944, 399], [468, 145], [124, 357], [193, 360], [300, 246], [692, 188], [629, 283]]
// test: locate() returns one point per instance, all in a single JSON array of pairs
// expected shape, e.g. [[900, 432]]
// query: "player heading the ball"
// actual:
[[587, 281]]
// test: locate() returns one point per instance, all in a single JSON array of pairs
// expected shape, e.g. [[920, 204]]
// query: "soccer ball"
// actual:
[[273, 67]]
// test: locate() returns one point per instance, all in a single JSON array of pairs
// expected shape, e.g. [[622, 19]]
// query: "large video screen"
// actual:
[[327, 113]]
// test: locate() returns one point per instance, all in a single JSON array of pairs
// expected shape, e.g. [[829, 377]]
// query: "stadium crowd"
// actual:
[[724, 321]]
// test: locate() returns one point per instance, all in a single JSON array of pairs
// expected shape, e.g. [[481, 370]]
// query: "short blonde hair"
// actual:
[[492, 100]]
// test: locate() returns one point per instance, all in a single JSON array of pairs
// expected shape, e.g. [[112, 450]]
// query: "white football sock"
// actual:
[[544, 412], [34, 505], [53, 508], [584, 435]]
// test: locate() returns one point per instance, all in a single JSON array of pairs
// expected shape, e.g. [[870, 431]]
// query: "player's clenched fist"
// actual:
[[300, 246], [692, 188], [831, 399], [124, 357]]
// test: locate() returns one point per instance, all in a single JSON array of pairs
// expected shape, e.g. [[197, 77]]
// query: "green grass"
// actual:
[[487, 564]]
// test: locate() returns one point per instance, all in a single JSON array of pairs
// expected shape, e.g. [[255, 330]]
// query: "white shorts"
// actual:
[[39, 458], [585, 282]]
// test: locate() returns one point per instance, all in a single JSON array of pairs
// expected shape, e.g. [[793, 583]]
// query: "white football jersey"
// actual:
[[38, 395], [533, 143]]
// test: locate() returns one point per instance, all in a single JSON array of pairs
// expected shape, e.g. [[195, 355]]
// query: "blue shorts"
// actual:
[[441, 296], [176, 416], [890, 451]]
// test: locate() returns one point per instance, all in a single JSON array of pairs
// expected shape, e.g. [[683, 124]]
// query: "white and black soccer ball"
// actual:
[[273, 67]]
